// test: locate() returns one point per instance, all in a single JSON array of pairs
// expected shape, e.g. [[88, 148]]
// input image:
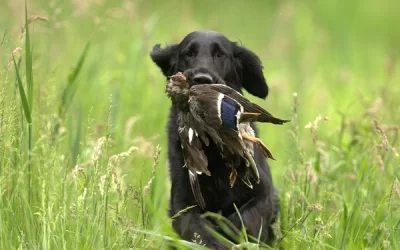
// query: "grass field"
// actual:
[[83, 165]]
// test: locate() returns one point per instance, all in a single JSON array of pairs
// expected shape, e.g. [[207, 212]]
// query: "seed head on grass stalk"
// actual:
[[153, 171], [313, 126], [13, 54], [114, 163], [384, 140], [93, 161], [396, 188]]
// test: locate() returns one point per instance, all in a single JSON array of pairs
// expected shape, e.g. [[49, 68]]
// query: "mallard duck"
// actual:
[[219, 113]]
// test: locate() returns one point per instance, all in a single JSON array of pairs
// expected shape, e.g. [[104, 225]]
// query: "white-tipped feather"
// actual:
[[190, 135], [191, 173], [198, 172], [219, 102], [238, 114]]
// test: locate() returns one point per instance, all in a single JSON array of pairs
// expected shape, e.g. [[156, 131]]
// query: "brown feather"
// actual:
[[195, 158], [194, 183], [248, 117], [253, 167], [203, 106], [245, 180], [232, 177]]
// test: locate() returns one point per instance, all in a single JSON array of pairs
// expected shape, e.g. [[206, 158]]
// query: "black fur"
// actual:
[[225, 61]]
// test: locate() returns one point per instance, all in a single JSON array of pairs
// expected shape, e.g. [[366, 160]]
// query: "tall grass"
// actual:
[[27, 99], [83, 145]]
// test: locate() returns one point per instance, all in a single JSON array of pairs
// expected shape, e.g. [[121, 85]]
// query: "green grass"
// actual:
[[79, 162]]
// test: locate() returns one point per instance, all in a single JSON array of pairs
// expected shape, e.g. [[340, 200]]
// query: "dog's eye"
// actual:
[[219, 53], [189, 53]]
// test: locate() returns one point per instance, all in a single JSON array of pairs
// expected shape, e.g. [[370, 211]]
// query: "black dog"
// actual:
[[211, 58]]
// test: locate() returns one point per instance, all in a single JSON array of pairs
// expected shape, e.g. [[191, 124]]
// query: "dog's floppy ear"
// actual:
[[251, 72], [165, 58]]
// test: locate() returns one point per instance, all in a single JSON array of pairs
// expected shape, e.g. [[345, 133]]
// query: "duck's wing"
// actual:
[[259, 114], [195, 159], [214, 109], [204, 105]]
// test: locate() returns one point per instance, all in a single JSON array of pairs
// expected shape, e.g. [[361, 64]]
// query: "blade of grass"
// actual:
[[69, 91], [219, 237], [4, 38], [29, 83], [70, 88], [298, 223], [175, 241], [76, 143], [226, 226], [28, 59], [241, 221], [24, 99], [348, 217], [30, 143]]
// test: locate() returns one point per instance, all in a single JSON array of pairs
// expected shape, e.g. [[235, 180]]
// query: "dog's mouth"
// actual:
[[198, 76]]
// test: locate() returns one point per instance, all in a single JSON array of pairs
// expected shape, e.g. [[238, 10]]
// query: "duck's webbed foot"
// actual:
[[265, 150]]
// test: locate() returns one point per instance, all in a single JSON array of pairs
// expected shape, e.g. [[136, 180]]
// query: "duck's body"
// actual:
[[218, 113]]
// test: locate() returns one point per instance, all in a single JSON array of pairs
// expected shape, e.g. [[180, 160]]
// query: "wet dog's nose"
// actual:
[[202, 78]]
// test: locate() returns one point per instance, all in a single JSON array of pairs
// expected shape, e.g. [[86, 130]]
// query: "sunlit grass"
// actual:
[[83, 129]]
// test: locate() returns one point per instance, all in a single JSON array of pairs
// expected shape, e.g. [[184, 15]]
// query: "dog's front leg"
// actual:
[[191, 227], [187, 221], [256, 216]]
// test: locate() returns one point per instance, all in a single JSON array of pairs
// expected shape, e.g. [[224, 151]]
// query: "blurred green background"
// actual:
[[340, 57]]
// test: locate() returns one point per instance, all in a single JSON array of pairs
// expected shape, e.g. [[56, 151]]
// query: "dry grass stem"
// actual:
[[153, 171], [373, 111], [182, 211], [312, 175], [97, 151], [145, 145], [295, 111], [115, 160], [384, 140], [113, 170], [396, 188], [315, 207], [383, 136], [129, 125], [313, 126], [78, 169], [30, 20], [379, 161], [13, 54], [35, 18]]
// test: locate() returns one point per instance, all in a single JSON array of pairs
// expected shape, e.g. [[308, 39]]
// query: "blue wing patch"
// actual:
[[229, 110]]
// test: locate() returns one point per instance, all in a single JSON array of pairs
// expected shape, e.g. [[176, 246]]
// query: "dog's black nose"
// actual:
[[202, 78]]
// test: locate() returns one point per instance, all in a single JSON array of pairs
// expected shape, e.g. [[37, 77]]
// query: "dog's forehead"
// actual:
[[206, 37]]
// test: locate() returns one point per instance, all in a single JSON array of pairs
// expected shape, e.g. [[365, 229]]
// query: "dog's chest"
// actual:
[[219, 196]]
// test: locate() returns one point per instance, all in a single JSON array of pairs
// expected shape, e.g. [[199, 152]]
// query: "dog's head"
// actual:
[[209, 57]]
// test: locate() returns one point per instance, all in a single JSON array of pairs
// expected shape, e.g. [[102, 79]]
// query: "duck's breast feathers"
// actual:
[[203, 104]]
